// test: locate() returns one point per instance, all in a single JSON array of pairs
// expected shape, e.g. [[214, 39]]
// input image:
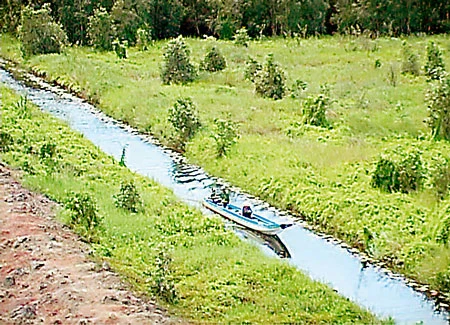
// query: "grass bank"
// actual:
[[323, 175], [199, 270]]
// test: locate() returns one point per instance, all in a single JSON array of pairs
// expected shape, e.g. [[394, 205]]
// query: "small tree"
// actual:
[[314, 108], [101, 30], [177, 67], [39, 34], [213, 61], [241, 37], [438, 98], [435, 67], [270, 80], [410, 63], [183, 116], [225, 136]]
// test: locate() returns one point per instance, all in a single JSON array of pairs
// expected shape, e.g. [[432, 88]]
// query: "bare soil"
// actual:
[[46, 275]]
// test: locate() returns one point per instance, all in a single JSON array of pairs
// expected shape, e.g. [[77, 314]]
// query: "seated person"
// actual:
[[247, 210]]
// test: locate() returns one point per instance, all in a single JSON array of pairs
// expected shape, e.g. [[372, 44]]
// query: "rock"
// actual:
[[27, 312], [9, 281], [37, 264]]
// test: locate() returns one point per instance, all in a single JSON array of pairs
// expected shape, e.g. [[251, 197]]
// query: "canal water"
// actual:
[[369, 286]]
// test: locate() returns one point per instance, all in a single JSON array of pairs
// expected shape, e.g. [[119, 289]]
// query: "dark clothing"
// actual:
[[225, 196], [247, 211]]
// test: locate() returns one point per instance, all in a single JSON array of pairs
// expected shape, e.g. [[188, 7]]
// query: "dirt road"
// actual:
[[46, 276]]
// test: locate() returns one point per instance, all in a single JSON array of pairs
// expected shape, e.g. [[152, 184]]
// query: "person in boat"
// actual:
[[225, 196], [214, 196], [247, 210]]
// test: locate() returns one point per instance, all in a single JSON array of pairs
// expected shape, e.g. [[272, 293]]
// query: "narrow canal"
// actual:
[[369, 286]]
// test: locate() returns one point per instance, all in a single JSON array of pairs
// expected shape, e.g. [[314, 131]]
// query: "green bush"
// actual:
[[410, 63], [101, 30], [183, 116], [128, 197], [441, 180], [435, 67], [39, 34], [225, 135], [438, 99], [143, 39], [241, 37], [177, 67], [314, 108], [270, 80], [213, 61], [120, 48], [399, 172], [84, 216], [252, 67]]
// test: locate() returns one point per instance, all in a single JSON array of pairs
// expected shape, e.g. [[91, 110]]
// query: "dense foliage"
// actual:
[[101, 31], [438, 98], [38, 32], [170, 18]]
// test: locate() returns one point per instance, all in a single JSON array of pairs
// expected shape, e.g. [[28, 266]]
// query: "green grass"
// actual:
[[215, 276], [324, 175]]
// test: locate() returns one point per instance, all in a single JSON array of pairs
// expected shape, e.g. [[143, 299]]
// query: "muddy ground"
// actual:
[[46, 276]]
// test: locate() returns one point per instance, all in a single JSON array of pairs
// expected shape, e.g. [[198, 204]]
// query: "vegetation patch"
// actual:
[[190, 261]]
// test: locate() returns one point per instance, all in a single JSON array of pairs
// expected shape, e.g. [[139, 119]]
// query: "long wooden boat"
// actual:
[[256, 222]]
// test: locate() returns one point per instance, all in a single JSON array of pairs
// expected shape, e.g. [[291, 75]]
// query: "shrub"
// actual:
[[444, 231], [252, 67], [183, 116], [163, 279], [435, 67], [6, 141], [128, 197], [120, 48], [143, 39], [48, 150], [410, 63], [441, 180], [101, 30], [177, 67], [213, 61], [241, 37], [438, 99], [399, 174], [298, 88], [39, 34], [314, 108], [84, 217], [270, 80], [225, 136]]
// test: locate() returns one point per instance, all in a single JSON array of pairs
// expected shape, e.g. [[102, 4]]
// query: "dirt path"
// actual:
[[45, 275]]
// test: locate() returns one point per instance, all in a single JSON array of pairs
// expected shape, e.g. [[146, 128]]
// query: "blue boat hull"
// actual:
[[256, 223]]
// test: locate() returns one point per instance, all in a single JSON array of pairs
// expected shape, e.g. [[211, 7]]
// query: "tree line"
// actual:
[[222, 18]]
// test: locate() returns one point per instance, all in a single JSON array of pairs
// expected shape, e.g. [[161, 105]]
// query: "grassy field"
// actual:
[[199, 270], [323, 175]]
